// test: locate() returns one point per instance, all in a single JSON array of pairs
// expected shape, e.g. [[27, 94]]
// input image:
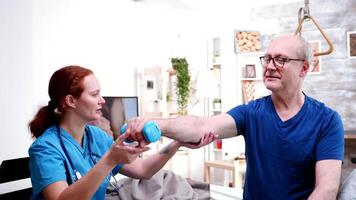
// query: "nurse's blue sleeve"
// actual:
[[46, 166]]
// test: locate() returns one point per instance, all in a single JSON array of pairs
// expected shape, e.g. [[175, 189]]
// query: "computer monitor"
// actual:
[[116, 111]]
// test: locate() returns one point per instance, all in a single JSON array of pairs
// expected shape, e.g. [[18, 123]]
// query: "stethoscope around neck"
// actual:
[[75, 173]]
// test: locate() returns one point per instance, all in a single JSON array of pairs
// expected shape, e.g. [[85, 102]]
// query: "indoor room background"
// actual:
[[119, 39]]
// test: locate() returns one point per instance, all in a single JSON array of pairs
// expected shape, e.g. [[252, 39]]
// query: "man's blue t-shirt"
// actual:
[[281, 155], [49, 162]]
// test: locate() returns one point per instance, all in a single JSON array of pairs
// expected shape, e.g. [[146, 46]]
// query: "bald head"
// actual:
[[294, 43]]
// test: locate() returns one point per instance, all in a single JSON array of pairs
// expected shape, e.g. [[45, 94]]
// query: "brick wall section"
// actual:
[[336, 85]]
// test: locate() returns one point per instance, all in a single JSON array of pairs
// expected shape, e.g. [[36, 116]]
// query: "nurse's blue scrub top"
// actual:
[[49, 163]]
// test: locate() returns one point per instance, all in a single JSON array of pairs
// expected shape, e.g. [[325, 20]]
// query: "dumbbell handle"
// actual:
[[151, 131]]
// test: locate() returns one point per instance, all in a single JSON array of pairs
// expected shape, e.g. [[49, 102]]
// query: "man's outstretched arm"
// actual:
[[187, 128]]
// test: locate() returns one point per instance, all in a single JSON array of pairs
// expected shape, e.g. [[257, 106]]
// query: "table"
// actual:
[[237, 167]]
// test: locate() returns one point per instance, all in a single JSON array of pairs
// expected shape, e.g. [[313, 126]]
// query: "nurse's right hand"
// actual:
[[121, 153]]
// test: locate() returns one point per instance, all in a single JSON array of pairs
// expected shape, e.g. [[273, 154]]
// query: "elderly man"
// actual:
[[294, 143]]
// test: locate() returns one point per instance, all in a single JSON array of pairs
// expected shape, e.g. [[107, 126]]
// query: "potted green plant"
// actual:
[[180, 65]]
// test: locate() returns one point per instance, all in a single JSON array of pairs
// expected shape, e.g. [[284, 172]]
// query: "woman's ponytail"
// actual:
[[44, 118]]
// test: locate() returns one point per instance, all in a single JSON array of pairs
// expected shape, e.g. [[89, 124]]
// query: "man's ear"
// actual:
[[305, 69], [70, 101]]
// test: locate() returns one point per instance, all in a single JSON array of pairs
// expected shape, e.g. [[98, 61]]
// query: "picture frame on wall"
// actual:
[[351, 44], [250, 71], [247, 41], [150, 84], [315, 65]]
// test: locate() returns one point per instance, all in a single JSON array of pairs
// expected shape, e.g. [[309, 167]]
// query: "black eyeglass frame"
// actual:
[[286, 60]]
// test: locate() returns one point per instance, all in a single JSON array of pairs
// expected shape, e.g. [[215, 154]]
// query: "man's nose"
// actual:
[[271, 65]]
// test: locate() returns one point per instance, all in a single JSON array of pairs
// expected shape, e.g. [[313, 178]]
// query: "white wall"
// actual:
[[15, 77], [111, 37]]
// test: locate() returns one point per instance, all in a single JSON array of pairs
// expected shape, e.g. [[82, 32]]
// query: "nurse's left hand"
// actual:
[[121, 153], [206, 139]]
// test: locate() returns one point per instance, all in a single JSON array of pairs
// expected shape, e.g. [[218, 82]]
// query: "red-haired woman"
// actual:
[[73, 160]]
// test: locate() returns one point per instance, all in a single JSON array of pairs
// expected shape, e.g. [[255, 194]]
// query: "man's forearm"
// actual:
[[183, 128]]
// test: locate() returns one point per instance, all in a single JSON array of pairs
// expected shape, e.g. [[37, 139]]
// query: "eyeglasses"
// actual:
[[278, 61]]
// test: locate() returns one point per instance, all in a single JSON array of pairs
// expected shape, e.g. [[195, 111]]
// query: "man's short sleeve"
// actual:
[[331, 139], [239, 115]]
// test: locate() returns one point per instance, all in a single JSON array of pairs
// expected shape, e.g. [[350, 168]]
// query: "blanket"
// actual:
[[348, 187], [163, 185]]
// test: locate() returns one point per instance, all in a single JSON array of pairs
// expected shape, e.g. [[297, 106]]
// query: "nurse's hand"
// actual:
[[122, 153], [136, 125], [206, 139]]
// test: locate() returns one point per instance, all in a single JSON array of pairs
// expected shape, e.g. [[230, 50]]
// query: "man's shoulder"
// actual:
[[319, 106], [260, 103], [324, 114], [264, 99]]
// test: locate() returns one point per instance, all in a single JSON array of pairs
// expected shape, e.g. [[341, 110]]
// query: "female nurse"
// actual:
[[73, 160]]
